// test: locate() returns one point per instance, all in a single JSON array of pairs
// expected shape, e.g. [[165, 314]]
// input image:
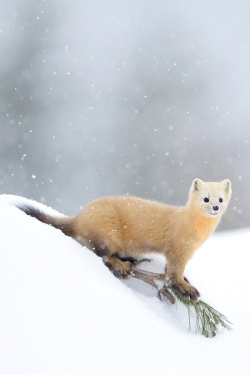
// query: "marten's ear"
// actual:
[[227, 186], [196, 185]]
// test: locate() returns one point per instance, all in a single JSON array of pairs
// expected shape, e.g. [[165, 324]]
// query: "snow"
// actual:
[[63, 312]]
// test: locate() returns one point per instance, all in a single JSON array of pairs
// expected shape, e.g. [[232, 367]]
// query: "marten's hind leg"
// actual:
[[109, 250], [120, 269], [134, 261]]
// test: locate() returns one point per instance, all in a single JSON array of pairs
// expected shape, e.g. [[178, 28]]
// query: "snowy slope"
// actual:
[[63, 312]]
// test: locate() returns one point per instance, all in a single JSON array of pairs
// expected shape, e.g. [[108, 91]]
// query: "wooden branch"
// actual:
[[151, 278]]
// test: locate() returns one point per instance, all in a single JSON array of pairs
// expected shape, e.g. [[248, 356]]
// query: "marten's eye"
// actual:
[[220, 200], [206, 200]]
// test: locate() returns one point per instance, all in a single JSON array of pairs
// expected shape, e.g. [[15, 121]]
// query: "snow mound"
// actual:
[[63, 312]]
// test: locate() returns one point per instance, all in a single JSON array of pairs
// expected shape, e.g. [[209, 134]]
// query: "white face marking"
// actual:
[[211, 197], [213, 203]]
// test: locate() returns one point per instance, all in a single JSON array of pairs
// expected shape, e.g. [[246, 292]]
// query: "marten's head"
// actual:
[[210, 198]]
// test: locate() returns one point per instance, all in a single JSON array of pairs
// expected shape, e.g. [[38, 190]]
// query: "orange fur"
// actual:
[[133, 226]]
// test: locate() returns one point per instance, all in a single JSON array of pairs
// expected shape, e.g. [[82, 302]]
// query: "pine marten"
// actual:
[[133, 226]]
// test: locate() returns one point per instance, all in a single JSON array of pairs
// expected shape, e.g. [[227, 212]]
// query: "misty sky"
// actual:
[[122, 97]]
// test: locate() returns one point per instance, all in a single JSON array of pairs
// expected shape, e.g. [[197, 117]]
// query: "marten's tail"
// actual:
[[65, 224]]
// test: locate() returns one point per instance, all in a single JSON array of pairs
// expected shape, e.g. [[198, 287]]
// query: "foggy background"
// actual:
[[110, 97]]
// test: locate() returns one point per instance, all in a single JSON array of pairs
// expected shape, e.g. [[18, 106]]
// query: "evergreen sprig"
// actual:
[[207, 318]]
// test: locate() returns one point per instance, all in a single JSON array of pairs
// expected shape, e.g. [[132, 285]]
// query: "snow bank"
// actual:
[[63, 312]]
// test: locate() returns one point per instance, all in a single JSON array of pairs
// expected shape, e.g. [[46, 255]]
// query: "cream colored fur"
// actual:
[[129, 225]]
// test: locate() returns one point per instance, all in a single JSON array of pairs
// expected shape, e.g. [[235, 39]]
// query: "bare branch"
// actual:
[[151, 278]]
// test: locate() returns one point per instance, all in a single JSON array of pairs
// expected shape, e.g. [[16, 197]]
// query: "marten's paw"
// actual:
[[120, 269], [187, 291]]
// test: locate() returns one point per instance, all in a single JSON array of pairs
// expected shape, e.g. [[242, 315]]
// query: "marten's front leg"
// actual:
[[181, 283], [185, 278]]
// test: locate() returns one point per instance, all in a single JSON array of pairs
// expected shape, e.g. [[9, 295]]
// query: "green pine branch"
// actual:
[[207, 318]]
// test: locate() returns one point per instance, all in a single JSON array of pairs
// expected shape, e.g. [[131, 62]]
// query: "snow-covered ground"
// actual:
[[63, 312]]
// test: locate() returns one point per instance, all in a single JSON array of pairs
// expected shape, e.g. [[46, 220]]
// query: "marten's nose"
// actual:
[[215, 208]]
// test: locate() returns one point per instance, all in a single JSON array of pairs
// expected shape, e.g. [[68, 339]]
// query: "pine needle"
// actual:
[[207, 318]]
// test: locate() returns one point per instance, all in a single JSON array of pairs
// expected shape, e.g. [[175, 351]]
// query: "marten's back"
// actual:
[[130, 222]]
